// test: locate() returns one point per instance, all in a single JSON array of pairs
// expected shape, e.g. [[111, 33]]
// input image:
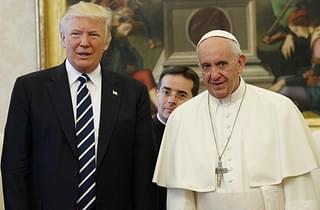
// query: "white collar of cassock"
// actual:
[[159, 118]]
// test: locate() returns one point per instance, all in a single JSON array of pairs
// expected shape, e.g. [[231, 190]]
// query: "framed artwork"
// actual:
[[277, 37], [164, 32], [187, 21], [286, 47], [137, 33]]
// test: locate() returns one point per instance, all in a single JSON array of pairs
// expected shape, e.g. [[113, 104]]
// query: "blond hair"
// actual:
[[89, 10]]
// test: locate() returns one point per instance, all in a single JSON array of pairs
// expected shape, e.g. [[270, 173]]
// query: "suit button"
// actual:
[[75, 173], [74, 204]]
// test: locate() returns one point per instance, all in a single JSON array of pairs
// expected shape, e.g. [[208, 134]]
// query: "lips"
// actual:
[[217, 83], [170, 109], [84, 54]]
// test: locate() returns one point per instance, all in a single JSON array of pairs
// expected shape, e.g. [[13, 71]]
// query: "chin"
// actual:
[[85, 68], [218, 94]]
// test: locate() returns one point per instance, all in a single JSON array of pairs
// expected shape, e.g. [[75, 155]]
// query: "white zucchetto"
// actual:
[[218, 33]]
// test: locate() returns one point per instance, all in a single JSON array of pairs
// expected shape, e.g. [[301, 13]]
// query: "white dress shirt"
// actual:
[[94, 87]]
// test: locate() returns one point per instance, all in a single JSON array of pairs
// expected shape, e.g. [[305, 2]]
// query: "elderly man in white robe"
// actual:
[[235, 146]]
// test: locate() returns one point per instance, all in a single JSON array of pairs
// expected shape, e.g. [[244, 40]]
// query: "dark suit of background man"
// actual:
[[40, 166], [177, 84]]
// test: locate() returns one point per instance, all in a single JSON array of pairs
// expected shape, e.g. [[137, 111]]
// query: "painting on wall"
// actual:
[[288, 47], [277, 37], [186, 21], [137, 40], [137, 34]]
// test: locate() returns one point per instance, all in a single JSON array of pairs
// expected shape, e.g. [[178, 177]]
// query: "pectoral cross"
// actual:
[[220, 171]]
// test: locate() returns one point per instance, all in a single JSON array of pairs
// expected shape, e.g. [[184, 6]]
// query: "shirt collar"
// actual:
[[236, 95], [74, 74], [158, 116]]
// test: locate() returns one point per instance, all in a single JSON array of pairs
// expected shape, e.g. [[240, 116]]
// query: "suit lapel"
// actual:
[[110, 103], [59, 92]]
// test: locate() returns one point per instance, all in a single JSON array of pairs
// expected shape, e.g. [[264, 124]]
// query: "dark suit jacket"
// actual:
[[39, 162], [158, 131], [161, 191]]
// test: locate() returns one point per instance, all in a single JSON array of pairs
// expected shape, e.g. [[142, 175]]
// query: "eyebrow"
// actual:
[[178, 91], [167, 88]]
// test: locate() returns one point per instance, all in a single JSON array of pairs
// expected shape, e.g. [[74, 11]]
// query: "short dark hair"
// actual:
[[186, 72]]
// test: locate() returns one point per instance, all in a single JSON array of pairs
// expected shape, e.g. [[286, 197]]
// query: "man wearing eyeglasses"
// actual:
[[177, 84]]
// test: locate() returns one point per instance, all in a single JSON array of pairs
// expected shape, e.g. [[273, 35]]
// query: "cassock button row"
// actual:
[[229, 148], [230, 181], [229, 159], [228, 115]]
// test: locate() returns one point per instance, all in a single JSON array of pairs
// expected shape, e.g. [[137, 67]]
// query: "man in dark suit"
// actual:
[[177, 84], [43, 164]]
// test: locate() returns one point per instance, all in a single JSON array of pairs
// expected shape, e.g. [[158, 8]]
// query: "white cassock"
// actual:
[[269, 156]]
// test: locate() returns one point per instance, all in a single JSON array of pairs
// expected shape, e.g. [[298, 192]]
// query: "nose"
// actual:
[[84, 41], [214, 73], [173, 98]]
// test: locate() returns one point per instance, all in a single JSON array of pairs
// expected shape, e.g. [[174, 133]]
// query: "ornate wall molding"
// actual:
[[51, 51]]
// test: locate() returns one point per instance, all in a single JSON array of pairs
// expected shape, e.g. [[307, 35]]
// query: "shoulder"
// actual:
[[124, 80], [268, 96], [41, 75], [270, 101], [128, 88]]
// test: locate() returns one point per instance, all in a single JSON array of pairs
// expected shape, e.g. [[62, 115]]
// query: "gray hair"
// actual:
[[235, 48], [90, 10]]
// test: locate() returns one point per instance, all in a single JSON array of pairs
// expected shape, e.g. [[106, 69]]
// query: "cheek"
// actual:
[[100, 46], [160, 102], [205, 77], [66, 43], [232, 73], [71, 44], [179, 102], [317, 52]]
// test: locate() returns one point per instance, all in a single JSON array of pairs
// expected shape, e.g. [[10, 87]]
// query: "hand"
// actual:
[[266, 39], [273, 38], [312, 81], [278, 85], [311, 78], [288, 46]]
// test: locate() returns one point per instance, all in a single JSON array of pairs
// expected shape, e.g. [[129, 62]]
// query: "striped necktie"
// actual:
[[86, 146]]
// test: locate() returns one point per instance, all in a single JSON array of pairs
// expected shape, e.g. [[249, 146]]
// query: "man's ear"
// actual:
[[242, 61], [158, 91], [108, 41], [63, 39]]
